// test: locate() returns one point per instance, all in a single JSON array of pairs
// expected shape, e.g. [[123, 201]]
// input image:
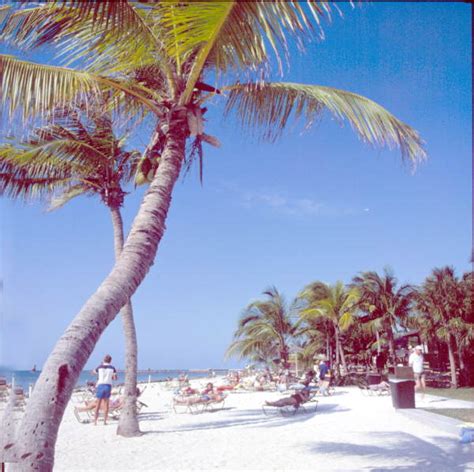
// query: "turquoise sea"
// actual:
[[25, 378]]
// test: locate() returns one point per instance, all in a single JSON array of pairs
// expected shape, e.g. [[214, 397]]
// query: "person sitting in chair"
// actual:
[[301, 396], [207, 395], [114, 404], [210, 394]]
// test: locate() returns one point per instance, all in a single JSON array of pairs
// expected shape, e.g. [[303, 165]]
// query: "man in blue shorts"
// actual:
[[106, 374]]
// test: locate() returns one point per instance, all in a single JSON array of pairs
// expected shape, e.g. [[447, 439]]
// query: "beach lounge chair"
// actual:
[[87, 416], [3, 390], [290, 410], [214, 404], [194, 404], [380, 389], [19, 399]]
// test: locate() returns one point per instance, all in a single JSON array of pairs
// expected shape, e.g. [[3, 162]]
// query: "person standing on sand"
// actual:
[[415, 361], [106, 374]]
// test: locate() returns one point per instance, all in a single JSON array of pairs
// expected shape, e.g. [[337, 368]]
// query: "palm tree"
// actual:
[[79, 155], [335, 303], [264, 330], [308, 341], [380, 299], [441, 302], [154, 58]]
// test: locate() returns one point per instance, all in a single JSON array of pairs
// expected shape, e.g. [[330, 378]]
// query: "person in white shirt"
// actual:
[[106, 374], [415, 361]]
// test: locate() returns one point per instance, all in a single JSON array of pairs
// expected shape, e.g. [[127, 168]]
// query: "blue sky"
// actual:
[[314, 206]]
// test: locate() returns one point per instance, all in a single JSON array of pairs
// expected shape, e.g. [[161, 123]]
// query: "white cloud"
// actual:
[[280, 203]]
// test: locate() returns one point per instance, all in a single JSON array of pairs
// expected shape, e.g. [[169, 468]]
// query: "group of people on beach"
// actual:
[[191, 396], [106, 374]]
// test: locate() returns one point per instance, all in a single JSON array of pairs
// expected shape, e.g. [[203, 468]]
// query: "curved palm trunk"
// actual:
[[128, 422], [35, 443]]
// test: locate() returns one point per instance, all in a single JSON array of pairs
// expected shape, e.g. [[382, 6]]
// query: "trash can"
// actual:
[[403, 393]]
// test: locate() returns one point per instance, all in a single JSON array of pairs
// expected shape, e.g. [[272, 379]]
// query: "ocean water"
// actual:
[[27, 378]]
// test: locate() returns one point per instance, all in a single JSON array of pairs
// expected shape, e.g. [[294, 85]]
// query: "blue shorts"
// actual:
[[103, 391]]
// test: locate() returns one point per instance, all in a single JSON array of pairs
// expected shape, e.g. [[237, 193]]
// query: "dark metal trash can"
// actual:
[[403, 393]]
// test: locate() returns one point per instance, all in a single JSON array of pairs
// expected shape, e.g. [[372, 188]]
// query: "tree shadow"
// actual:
[[150, 416], [250, 417], [443, 454]]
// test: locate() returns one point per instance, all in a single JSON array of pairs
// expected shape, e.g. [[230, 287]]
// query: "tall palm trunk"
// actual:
[[391, 341], [35, 443], [128, 422], [342, 355], [462, 365], [338, 350], [452, 361]]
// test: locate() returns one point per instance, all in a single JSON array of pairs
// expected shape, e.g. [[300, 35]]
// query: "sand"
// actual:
[[348, 432]]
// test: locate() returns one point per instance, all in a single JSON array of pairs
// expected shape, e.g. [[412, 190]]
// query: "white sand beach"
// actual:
[[348, 432]]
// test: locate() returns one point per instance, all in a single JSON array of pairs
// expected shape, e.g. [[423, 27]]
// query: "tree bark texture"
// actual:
[[128, 422], [452, 361], [36, 439]]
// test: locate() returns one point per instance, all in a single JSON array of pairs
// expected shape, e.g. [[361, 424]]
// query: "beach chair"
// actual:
[[87, 416], [3, 390], [380, 389], [19, 399], [290, 410], [214, 405], [187, 404], [194, 405]]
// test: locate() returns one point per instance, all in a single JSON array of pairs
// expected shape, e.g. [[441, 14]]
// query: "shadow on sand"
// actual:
[[247, 417], [443, 454]]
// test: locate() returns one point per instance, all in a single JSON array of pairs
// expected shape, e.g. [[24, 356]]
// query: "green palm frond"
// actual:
[[233, 34], [67, 195], [28, 188], [268, 108], [103, 37], [38, 89], [346, 320], [69, 155], [312, 313], [17, 181], [116, 14], [4, 11]]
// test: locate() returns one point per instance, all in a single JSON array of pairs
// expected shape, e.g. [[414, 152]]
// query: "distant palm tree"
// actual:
[[381, 299], [154, 58], [335, 303], [264, 330], [79, 155], [441, 302], [308, 341]]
